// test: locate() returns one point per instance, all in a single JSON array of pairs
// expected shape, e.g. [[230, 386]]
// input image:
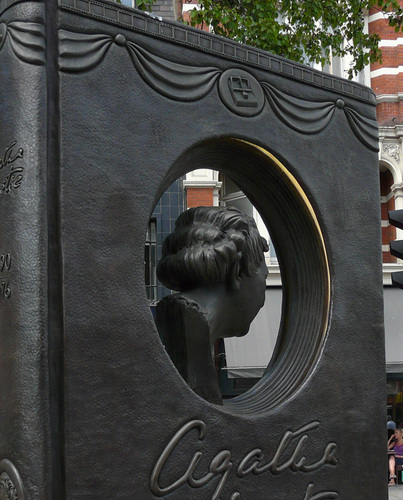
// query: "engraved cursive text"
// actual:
[[9, 157], [288, 455], [5, 266], [14, 176]]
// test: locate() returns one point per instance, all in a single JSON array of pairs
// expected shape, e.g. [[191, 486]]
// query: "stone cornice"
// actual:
[[388, 269], [380, 98], [390, 132], [274, 276], [201, 184]]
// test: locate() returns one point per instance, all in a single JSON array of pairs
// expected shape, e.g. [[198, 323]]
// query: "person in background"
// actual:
[[391, 426], [395, 443]]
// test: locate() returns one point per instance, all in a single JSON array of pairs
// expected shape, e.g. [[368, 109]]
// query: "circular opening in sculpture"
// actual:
[[295, 231], [237, 360]]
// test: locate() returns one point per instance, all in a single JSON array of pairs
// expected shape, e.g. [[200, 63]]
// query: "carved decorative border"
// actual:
[[26, 39], [83, 51], [214, 44], [6, 4], [392, 149]]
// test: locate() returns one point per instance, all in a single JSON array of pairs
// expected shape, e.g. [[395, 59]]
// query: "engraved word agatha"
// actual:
[[288, 455], [14, 172]]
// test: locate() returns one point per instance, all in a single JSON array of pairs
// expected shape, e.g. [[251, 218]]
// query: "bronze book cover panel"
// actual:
[[108, 107]]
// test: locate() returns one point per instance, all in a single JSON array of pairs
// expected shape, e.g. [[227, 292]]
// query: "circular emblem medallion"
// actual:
[[11, 486], [241, 92]]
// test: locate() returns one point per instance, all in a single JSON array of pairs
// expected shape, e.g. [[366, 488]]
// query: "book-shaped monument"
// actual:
[[101, 108]]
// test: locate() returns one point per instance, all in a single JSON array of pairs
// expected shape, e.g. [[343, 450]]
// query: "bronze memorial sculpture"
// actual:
[[102, 108], [215, 259]]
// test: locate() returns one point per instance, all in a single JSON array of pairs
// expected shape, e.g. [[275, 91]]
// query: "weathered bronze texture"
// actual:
[[215, 259], [101, 109]]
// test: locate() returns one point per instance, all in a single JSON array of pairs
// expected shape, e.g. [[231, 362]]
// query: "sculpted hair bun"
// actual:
[[209, 246]]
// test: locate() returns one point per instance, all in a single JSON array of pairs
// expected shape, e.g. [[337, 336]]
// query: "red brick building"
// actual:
[[387, 83], [386, 80]]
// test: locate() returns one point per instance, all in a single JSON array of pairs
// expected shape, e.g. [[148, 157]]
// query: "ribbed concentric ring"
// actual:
[[300, 248]]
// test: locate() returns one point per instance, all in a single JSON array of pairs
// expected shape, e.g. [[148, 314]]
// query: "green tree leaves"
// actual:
[[141, 4], [302, 30]]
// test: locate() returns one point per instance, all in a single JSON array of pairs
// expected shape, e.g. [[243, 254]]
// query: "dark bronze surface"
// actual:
[[215, 259], [101, 109]]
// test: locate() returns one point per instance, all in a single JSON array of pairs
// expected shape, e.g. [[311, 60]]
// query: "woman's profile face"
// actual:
[[250, 298], [398, 434]]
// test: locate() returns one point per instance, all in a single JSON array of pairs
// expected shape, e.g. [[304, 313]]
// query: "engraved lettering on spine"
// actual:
[[5, 262], [12, 170], [9, 155], [5, 266]]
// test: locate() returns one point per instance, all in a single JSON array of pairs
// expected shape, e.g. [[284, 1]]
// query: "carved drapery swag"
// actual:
[[82, 52], [26, 39]]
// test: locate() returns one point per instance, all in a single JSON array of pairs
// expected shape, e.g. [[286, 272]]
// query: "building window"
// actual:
[[387, 204], [150, 261]]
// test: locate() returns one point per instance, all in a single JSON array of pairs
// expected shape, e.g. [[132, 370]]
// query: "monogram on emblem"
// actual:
[[241, 92]]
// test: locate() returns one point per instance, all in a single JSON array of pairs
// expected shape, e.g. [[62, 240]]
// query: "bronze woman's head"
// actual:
[[211, 246]]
